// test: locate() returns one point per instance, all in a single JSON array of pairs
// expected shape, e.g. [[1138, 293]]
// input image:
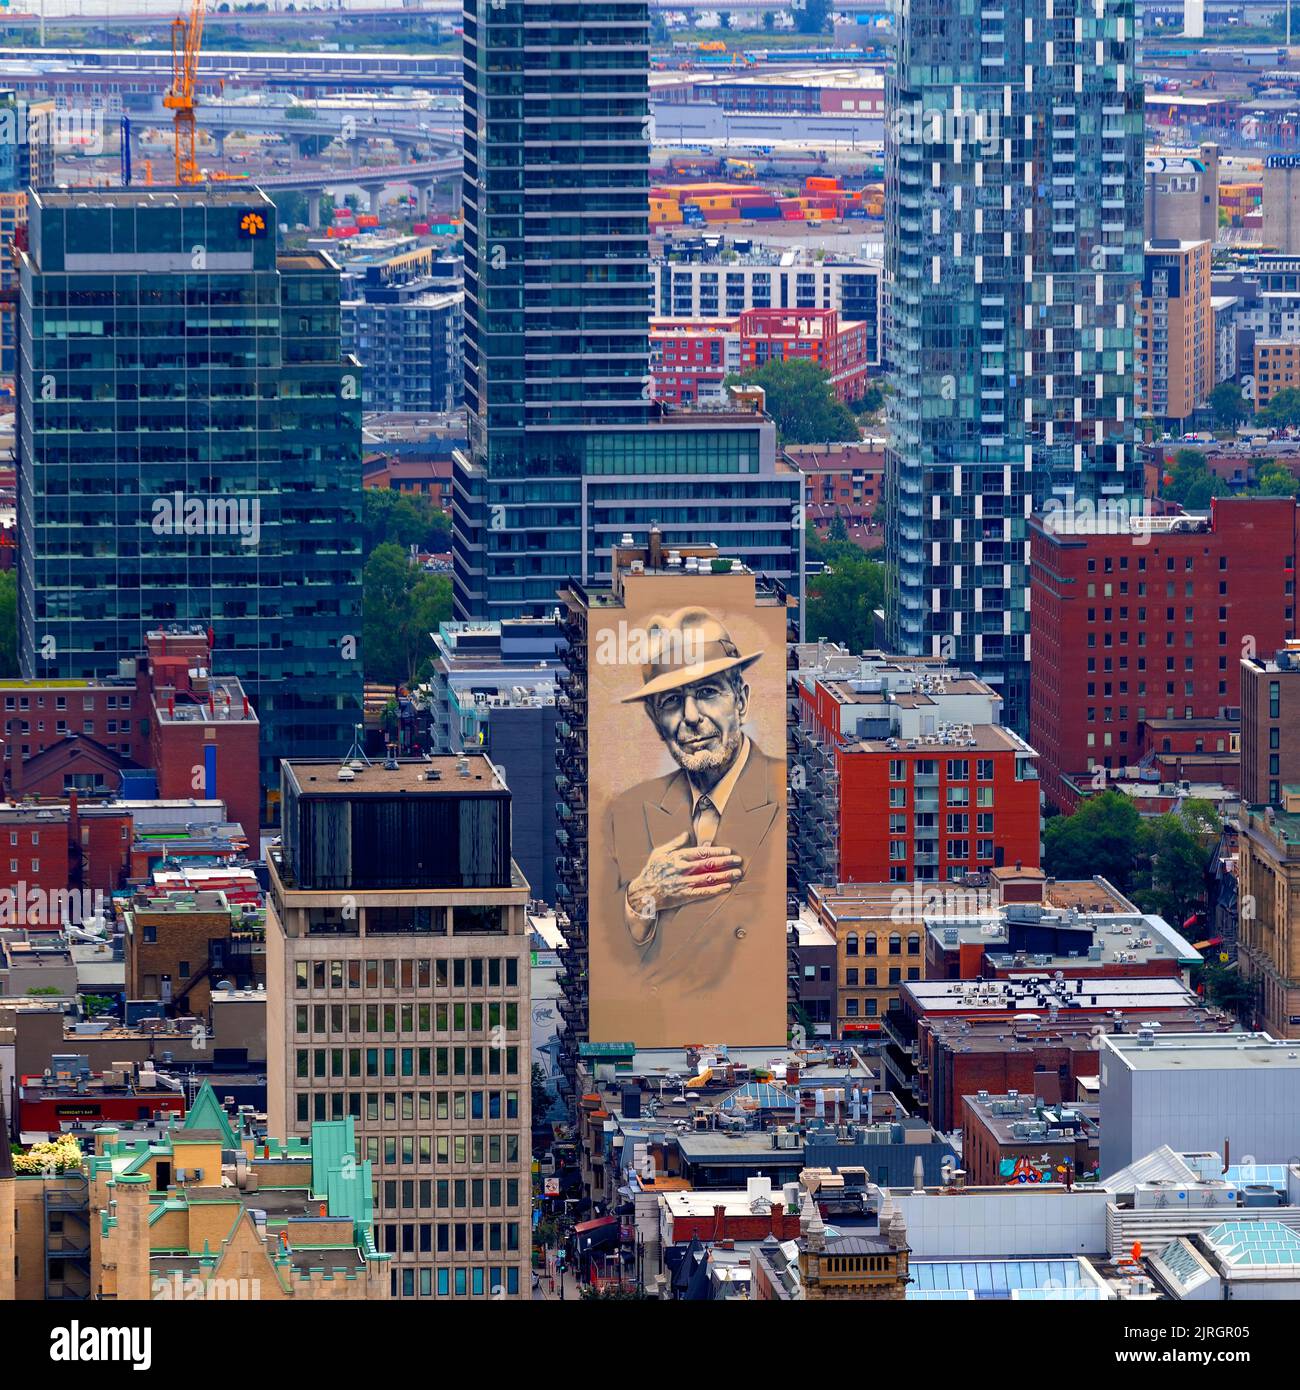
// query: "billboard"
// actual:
[[687, 812]]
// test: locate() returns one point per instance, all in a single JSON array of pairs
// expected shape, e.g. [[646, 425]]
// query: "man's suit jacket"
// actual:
[[708, 948]]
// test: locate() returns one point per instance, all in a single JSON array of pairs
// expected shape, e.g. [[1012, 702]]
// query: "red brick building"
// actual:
[[693, 356], [843, 482], [1150, 623], [195, 731], [903, 774], [995, 1035], [428, 475], [48, 849]]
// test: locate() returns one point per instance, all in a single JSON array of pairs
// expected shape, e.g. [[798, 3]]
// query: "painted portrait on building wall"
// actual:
[[688, 833]]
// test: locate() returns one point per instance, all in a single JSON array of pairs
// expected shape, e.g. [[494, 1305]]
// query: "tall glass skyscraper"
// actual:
[[189, 451], [567, 448], [1014, 163]]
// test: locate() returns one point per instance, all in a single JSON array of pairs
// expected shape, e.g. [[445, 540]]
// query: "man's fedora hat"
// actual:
[[687, 646]]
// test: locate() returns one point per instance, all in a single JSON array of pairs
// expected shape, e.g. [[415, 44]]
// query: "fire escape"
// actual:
[[67, 1237], [571, 847]]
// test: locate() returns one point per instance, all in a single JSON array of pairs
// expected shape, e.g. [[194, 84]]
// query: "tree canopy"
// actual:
[[1227, 405], [1282, 410], [1161, 862], [842, 598], [404, 519], [800, 400], [401, 605], [8, 622]]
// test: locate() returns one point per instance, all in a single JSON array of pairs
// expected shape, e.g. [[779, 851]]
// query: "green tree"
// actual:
[[873, 399], [401, 606], [1101, 837], [800, 400], [1277, 481], [1227, 405], [8, 622], [1192, 483], [1282, 410], [812, 16], [1222, 983], [1173, 858], [843, 597], [404, 519]]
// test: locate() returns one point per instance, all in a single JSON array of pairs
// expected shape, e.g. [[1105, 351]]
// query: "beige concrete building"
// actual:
[[397, 985], [1277, 368], [1270, 725], [1182, 195], [1282, 204], [203, 1210], [1174, 341], [1268, 936]]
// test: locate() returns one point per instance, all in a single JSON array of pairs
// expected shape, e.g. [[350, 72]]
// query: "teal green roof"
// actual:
[[1255, 1243], [206, 1113], [340, 1179]]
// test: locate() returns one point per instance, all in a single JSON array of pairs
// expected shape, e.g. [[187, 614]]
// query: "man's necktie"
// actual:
[[704, 821]]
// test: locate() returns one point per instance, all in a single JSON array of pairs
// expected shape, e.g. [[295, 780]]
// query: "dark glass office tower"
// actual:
[[567, 449], [1014, 244], [189, 451]]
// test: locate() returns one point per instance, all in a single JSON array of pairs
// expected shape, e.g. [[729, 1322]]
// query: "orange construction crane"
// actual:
[[187, 36]]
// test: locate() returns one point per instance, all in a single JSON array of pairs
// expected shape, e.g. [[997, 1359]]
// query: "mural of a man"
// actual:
[[698, 855]]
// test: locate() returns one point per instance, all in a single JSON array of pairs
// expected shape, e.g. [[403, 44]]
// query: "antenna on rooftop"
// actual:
[[355, 757]]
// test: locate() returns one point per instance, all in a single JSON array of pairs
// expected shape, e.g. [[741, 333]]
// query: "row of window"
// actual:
[[1142, 563], [866, 1008], [461, 1282], [413, 1061], [955, 849], [477, 1149], [447, 1237], [404, 1018], [957, 769], [446, 1194], [869, 976], [23, 702], [868, 944], [61, 727], [957, 796], [422, 973]]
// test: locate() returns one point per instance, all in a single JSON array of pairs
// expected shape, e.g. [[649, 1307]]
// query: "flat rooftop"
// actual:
[[1034, 994], [433, 776], [1205, 1052], [200, 195]]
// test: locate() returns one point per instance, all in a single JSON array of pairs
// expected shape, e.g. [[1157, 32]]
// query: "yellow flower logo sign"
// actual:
[[253, 224]]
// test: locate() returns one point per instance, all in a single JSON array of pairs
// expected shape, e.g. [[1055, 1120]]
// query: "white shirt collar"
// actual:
[[721, 793]]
